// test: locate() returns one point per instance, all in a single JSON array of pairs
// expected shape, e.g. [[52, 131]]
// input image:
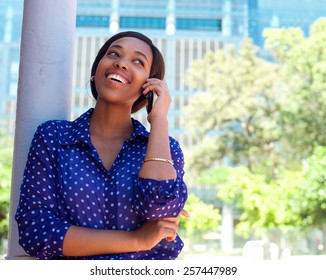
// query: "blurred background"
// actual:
[[248, 82]]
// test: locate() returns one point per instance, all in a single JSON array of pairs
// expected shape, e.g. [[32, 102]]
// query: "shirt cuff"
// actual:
[[158, 199]]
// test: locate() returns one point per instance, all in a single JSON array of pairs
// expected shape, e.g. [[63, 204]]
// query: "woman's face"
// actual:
[[123, 70]]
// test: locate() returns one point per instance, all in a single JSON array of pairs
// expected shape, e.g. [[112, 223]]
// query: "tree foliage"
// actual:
[[6, 153], [263, 205], [303, 62], [234, 114], [266, 119], [297, 198], [204, 218], [314, 189]]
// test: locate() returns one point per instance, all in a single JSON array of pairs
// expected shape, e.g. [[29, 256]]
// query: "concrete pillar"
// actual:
[[114, 17], [227, 243], [227, 19], [44, 85], [170, 18]]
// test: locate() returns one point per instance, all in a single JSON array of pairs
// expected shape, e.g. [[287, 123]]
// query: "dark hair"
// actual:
[[157, 68]]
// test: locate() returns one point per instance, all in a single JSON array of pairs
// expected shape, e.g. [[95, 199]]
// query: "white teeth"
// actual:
[[118, 78]]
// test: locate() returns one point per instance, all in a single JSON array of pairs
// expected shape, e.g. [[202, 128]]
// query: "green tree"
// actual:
[[6, 153], [303, 63], [268, 208], [315, 187], [295, 199], [234, 113], [265, 118], [253, 197], [314, 191], [204, 218]]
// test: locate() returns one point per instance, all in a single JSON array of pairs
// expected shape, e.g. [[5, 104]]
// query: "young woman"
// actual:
[[102, 187]]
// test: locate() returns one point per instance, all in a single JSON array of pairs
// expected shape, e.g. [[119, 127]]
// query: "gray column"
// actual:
[[227, 228], [227, 19], [114, 17], [170, 18], [44, 85]]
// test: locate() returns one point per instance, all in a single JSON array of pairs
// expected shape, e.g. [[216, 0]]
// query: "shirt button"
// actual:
[[111, 216]]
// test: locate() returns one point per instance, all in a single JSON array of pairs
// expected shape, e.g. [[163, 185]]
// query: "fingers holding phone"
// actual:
[[157, 89], [150, 100]]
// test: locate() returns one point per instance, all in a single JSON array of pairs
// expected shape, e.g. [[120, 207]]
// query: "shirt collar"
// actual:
[[79, 130]]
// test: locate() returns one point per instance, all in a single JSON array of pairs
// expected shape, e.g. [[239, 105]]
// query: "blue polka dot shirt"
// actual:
[[65, 183]]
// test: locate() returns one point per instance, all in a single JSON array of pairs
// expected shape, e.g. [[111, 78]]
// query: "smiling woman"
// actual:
[[157, 69], [121, 73], [102, 186]]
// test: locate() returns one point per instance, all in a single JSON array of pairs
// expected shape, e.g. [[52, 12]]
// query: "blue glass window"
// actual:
[[142, 22], [92, 21], [199, 24]]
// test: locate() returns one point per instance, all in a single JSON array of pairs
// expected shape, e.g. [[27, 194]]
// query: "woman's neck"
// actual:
[[111, 121]]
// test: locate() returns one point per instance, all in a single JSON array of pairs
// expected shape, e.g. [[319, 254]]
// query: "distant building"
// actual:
[[184, 30], [280, 13], [11, 12]]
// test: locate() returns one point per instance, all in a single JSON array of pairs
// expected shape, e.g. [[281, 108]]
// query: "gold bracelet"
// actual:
[[159, 159]]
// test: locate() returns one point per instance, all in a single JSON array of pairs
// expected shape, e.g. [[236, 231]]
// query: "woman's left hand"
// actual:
[[162, 104]]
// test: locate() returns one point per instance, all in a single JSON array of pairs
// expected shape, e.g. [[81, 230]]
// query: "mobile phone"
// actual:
[[150, 98]]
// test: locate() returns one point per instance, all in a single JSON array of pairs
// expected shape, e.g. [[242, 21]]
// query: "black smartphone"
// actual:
[[150, 102]]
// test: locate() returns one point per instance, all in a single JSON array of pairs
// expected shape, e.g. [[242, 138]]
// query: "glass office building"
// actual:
[[11, 12], [184, 30], [280, 13]]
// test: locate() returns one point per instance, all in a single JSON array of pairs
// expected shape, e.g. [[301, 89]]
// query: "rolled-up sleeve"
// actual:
[[41, 230], [155, 199]]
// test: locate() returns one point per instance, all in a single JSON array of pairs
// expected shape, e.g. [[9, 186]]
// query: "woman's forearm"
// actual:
[[158, 147], [81, 241]]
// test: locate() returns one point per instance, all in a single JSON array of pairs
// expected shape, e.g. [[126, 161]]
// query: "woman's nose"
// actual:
[[121, 63]]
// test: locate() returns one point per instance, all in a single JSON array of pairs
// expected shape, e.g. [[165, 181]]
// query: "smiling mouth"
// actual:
[[117, 78]]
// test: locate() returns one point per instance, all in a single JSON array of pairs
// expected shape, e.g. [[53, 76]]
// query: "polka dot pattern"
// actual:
[[65, 183]]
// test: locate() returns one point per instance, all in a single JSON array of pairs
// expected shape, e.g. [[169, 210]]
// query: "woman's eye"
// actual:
[[139, 61], [112, 53]]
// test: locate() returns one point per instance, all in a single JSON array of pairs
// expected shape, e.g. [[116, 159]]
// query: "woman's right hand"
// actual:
[[152, 232]]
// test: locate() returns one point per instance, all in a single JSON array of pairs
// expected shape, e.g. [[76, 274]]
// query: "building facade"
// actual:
[[183, 30], [10, 31], [282, 14]]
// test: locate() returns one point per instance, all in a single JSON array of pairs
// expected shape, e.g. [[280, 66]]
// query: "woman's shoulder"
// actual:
[[54, 126], [65, 131], [64, 126]]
